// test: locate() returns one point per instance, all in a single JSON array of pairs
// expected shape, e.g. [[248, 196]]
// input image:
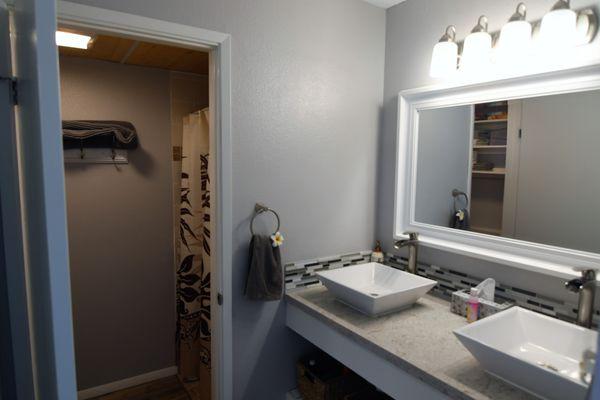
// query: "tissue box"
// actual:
[[458, 305]]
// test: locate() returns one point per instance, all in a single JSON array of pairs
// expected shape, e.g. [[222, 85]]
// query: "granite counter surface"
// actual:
[[418, 340]]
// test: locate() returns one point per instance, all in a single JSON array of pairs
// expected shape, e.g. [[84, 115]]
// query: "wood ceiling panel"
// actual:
[[107, 48], [127, 51], [169, 57], [196, 62]]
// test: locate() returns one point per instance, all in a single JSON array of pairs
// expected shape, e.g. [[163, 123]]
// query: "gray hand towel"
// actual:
[[265, 278], [457, 223]]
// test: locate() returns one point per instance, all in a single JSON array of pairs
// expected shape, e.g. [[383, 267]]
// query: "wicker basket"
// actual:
[[320, 377]]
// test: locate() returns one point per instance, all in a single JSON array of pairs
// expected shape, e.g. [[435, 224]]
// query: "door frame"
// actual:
[[142, 28], [16, 373]]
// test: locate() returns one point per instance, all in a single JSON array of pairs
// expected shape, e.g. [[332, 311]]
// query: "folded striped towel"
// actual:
[[119, 134]]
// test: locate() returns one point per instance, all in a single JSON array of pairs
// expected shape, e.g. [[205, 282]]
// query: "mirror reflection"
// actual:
[[527, 169]]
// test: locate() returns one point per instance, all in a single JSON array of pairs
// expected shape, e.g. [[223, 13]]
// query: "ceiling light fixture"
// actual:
[[445, 55], [74, 40]]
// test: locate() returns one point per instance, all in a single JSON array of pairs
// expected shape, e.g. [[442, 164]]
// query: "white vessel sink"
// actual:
[[375, 289], [537, 353]]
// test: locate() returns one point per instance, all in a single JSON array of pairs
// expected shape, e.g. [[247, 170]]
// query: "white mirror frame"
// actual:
[[557, 261]]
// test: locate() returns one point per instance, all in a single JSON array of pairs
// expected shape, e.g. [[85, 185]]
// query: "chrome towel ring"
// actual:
[[259, 209]]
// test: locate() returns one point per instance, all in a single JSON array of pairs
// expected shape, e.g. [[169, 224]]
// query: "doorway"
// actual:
[[133, 114], [125, 29], [33, 197]]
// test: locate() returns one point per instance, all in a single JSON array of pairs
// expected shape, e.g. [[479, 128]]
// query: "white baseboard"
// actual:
[[126, 383]]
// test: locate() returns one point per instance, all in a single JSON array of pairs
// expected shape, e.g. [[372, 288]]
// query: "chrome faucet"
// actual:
[[413, 246], [586, 287]]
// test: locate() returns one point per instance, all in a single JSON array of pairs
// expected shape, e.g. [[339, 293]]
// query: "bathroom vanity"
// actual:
[[503, 171], [411, 354]]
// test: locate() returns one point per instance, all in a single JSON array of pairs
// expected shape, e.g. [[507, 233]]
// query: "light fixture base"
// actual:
[[587, 22], [520, 13], [449, 35], [561, 5], [482, 25]]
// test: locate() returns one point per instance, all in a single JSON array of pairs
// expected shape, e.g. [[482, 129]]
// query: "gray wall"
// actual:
[[412, 28], [558, 185], [120, 226], [307, 84], [444, 149]]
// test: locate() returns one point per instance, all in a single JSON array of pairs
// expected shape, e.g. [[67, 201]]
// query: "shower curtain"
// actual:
[[193, 274]]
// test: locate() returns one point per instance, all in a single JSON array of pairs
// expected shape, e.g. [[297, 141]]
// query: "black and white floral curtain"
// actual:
[[193, 274]]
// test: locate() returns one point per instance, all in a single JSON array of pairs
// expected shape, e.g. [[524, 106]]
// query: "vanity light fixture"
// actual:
[[444, 57], [74, 40], [476, 56], [512, 47], [515, 37], [559, 27]]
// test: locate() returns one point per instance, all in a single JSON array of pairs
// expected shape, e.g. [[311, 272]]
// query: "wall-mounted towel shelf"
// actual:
[[95, 156]]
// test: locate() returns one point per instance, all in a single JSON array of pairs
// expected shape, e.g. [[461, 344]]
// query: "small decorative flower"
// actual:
[[277, 239], [461, 215]]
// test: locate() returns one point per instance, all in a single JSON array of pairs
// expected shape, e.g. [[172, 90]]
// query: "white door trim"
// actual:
[[138, 27], [18, 379]]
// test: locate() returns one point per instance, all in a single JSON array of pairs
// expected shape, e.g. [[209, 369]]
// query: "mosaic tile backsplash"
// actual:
[[299, 275]]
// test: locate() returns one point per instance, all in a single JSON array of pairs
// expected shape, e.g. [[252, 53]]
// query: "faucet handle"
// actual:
[[574, 285], [587, 275]]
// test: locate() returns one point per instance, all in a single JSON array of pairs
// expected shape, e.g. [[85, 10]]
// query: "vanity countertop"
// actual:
[[418, 340]]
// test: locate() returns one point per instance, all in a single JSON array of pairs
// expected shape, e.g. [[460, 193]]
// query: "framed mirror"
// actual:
[[507, 171]]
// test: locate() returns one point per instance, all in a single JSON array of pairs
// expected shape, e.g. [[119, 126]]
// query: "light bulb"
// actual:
[[444, 55], [559, 27], [443, 59], [477, 53], [515, 38], [515, 34], [70, 39]]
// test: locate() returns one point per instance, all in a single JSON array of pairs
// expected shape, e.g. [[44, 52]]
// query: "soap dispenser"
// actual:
[[377, 255], [473, 305]]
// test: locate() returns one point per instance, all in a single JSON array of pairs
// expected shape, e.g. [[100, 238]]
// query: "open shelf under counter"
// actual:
[[410, 354]]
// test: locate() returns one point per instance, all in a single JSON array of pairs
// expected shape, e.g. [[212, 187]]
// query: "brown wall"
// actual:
[[121, 226]]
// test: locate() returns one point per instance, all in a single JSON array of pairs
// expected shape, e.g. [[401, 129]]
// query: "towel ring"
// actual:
[[259, 209]]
